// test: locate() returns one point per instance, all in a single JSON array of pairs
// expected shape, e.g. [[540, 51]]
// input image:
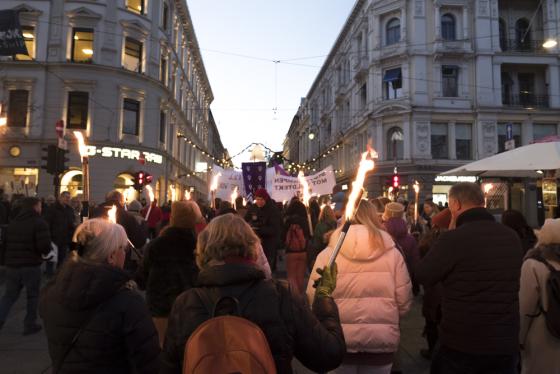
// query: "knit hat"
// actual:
[[261, 192], [442, 219], [134, 206], [393, 210], [184, 214], [550, 232]]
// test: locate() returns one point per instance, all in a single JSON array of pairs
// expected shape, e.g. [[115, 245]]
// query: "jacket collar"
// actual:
[[229, 275], [473, 215]]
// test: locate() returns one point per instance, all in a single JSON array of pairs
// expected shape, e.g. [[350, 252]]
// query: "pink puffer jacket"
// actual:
[[373, 291]]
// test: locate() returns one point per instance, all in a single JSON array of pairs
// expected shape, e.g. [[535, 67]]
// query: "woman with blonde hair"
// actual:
[[94, 319], [373, 292], [227, 254]]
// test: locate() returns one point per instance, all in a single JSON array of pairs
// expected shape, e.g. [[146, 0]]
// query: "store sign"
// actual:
[[130, 154], [454, 179]]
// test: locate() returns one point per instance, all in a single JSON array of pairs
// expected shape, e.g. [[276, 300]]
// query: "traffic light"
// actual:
[[51, 159], [139, 181], [61, 160], [396, 181]]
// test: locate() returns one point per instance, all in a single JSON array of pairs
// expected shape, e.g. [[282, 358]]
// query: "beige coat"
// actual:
[[541, 353], [373, 291]]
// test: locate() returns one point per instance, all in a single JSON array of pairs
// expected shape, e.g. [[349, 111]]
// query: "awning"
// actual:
[[392, 75]]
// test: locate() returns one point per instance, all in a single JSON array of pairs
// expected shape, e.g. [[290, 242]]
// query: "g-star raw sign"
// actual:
[[11, 38], [131, 154], [321, 183]]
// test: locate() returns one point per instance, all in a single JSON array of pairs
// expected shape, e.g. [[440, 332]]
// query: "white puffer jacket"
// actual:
[[373, 291]]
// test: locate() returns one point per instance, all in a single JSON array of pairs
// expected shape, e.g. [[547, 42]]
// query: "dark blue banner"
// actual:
[[11, 38], [254, 176]]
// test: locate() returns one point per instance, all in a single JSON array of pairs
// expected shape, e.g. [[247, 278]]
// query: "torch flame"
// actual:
[[234, 195], [112, 214], [81, 144], [488, 187], [128, 193], [187, 195], [306, 195], [214, 185], [366, 165], [244, 202], [150, 193], [416, 187]]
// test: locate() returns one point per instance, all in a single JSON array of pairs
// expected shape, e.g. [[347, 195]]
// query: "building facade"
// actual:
[[128, 74], [433, 84]]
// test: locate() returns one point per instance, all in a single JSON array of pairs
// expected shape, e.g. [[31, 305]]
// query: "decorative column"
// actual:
[[437, 20], [465, 22]]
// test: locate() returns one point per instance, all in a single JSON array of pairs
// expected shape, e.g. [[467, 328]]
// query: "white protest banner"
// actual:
[[321, 183], [227, 181]]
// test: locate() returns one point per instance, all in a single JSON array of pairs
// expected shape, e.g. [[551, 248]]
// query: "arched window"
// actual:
[[393, 31], [522, 34], [503, 35], [448, 27], [395, 144]]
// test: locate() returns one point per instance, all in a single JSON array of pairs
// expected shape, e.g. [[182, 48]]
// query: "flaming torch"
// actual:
[[151, 196], [487, 188], [416, 187], [305, 197], [213, 188], [187, 195], [366, 165], [82, 148], [233, 196]]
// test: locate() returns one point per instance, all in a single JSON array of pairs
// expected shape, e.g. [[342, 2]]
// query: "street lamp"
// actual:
[[550, 43], [311, 135]]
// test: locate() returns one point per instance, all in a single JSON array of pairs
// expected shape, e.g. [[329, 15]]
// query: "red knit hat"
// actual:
[[261, 192], [442, 219]]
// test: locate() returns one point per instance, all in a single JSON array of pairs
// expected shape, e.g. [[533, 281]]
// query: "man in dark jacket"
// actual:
[[479, 265], [27, 239], [265, 218], [60, 217]]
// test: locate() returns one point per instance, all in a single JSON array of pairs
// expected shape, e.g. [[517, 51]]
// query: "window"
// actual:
[[131, 117], [503, 34], [77, 115], [439, 140], [82, 45], [363, 95], [132, 55], [163, 70], [463, 141], [502, 135], [393, 31], [450, 81], [28, 33], [543, 130], [162, 127], [448, 27], [522, 34], [136, 6], [165, 16], [395, 144], [526, 89], [17, 108], [392, 84]]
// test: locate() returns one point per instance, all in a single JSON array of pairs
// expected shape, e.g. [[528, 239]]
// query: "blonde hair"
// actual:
[[327, 214], [367, 215], [99, 238], [225, 236]]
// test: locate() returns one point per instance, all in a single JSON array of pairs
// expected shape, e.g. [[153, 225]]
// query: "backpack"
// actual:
[[228, 344], [295, 239], [552, 315]]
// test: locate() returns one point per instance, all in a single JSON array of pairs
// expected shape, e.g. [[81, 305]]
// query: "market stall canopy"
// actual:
[[520, 162]]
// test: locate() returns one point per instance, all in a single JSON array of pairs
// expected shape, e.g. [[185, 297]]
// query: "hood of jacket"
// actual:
[[397, 228], [229, 275], [25, 215], [81, 285], [357, 246]]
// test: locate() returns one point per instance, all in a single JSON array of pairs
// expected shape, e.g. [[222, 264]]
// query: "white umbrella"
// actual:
[[520, 162]]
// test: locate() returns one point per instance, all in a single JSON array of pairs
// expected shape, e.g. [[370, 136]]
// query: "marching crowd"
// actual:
[[490, 290]]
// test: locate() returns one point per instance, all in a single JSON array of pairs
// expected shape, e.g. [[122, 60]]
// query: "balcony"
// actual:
[[527, 101], [518, 46]]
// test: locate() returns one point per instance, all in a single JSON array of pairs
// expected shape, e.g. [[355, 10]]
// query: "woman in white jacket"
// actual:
[[540, 351], [373, 292]]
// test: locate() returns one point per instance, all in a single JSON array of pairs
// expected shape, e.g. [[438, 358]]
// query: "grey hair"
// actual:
[[467, 193], [99, 239]]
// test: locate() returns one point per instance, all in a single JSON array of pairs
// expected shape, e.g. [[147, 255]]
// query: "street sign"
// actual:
[[510, 144], [509, 131]]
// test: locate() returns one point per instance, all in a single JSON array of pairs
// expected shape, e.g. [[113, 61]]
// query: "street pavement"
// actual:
[[29, 354]]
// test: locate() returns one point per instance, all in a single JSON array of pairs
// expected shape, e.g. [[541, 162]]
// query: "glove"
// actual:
[[325, 285]]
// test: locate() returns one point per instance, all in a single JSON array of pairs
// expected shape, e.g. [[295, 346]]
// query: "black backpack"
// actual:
[[552, 315]]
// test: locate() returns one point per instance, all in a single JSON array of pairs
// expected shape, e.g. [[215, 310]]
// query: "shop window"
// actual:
[[77, 115], [395, 144], [82, 45], [18, 106], [392, 84], [502, 135], [448, 27], [28, 33], [162, 126], [439, 140], [463, 141], [132, 55], [131, 117], [393, 31], [543, 130], [136, 6], [450, 80]]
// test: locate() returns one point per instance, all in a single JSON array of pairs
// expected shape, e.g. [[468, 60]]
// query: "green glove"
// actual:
[[325, 285]]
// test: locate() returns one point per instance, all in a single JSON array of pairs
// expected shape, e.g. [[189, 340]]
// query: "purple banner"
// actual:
[[254, 176], [11, 38]]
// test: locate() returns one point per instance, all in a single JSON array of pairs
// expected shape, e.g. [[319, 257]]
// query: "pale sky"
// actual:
[[245, 91]]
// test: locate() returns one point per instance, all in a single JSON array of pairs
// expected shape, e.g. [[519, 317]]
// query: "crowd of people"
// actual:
[[484, 285]]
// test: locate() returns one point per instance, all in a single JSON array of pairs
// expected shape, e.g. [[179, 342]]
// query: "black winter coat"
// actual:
[[268, 225], [168, 269], [119, 338], [27, 238], [315, 339], [479, 265], [61, 222], [135, 232]]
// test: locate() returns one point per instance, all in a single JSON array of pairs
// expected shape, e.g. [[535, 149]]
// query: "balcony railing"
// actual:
[[526, 46], [527, 101]]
